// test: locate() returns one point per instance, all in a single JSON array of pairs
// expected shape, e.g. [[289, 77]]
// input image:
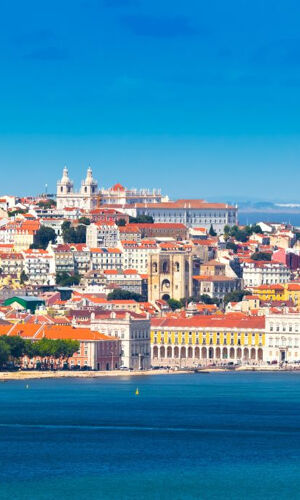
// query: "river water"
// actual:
[[208, 436]]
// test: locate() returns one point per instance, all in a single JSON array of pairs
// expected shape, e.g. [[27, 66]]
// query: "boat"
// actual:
[[137, 391]]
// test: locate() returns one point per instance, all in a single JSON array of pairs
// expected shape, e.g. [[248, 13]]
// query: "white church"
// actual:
[[90, 197], [86, 198]]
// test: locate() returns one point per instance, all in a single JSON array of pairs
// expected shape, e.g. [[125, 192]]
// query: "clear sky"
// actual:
[[199, 98]]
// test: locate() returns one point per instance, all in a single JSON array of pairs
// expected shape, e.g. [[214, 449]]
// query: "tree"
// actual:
[[47, 203], [142, 219], [235, 296], [84, 220], [241, 234], [65, 225], [66, 279], [121, 222], [257, 229], [63, 349], [73, 235], [17, 211], [261, 256], [17, 346], [206, 299], [80, 234], [174, 304], [4, 353], [120, 294], [232, 246], [212, 232], [23, 277], [42, 237]]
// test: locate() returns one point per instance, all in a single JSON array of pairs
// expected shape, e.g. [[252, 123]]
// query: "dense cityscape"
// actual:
[[127, 279]]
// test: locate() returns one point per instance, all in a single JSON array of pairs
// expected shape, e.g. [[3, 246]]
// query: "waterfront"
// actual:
[[229, 435]]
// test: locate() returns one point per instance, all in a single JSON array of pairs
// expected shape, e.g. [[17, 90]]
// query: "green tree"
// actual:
[[142, 219], [47, 203], [121, 222], [84, 220], [120, 294], [257, 229], [18, 211], [81, 234], [23, 277], [43, 236], [235, 296], [212, 232], [17, 346], [65, 279], [65, 225], [174, 304], [261, 256], [206, 299], [58, 349], [232, 246], [73, 235], [4, 352]]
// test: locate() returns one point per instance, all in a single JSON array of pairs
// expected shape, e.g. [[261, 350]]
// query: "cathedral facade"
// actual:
[[86, 198], [90, 197]]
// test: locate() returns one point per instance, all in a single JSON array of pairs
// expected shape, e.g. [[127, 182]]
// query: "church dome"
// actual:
[[89, 178], [65, 177], [118, 187]]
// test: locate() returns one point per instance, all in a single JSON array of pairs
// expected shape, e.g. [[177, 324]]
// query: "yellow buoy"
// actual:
[[137, 391]]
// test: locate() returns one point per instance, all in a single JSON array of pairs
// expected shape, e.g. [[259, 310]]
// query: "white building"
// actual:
[[192, 213], [264, 273], [102, 235], [282, 338], [39, 266], [136, 255], [90, 196], [119, 195], [86, 198], [106, 258], [134, 332]]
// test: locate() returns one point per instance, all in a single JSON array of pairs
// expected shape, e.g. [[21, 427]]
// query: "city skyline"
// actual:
[[152, 96]]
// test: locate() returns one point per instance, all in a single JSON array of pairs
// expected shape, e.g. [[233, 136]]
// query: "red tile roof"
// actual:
[[239, 321]]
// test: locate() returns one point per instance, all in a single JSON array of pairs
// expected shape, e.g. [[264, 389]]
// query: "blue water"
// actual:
[[227, 435], [281, 217]]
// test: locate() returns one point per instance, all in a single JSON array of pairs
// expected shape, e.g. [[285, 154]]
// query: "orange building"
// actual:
[[97, 351]]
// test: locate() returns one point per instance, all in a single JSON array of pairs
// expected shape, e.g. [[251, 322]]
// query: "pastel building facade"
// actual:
[[133, 330], [96, 351], [235, 338]]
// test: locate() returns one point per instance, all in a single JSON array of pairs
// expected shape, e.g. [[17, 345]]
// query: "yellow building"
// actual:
[[22, 239], [285, 292], [207, 339]]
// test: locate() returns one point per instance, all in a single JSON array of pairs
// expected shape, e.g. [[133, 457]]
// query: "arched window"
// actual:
[[177, 266], [165, 267], [165, 284]]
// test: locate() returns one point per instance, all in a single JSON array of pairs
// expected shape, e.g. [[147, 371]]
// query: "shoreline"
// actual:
[[5, 376]]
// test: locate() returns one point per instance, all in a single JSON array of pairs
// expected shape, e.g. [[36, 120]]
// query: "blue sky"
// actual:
[[198, 98]]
